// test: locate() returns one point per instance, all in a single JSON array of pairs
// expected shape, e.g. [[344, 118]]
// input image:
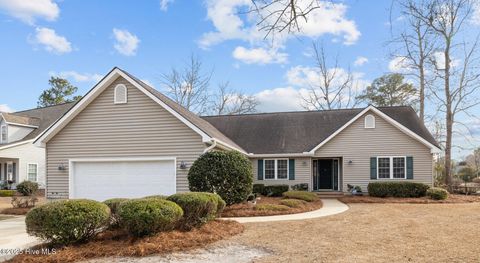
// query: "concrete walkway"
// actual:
[[13, 237], [330, 207]]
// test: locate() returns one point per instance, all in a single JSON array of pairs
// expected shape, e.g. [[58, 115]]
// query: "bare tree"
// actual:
[[189, 86], [229, 102], [335, 87], [417, 44], [447, 18], [277, 16]]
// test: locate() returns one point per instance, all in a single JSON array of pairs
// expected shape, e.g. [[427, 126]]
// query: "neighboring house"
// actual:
[[20, 159], [126, 139]]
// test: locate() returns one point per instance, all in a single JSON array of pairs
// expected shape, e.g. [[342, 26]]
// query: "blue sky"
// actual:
[[83, 40]]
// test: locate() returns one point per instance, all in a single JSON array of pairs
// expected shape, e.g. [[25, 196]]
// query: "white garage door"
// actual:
[[101, 180]]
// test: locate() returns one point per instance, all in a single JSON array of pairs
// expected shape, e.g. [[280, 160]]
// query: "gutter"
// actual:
[[304, 154], [211, 147]]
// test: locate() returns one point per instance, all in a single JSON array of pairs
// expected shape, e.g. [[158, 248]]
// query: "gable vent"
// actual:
[[369, 121], [120, 96]]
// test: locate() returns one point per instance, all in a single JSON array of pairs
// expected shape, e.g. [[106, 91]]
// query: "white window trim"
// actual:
[[276, 169], [391, 167], [366, 124], [115, 99], [36, 172], [1, 134]]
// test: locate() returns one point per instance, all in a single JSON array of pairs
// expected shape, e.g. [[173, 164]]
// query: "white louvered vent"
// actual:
[[120, 96], [369, 122]]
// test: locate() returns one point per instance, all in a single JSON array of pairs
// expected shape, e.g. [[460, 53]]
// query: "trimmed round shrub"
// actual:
[[271, 207], [162, 197], [275, 190], [27, 188], [143, 217], [294, 203], [229, 174], [67, 221], [220, 203], [397, 189], [437, 193], [301, 195], [114, 205], [198, 208]]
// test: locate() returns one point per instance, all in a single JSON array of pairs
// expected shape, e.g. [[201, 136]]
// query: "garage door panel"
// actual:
[[129, 179]]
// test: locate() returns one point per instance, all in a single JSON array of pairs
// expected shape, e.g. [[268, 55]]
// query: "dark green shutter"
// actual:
[[409, 167], [291, 169], [260, 169], [373, 168]]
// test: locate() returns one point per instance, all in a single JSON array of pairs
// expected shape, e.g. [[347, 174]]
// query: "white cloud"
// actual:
[[360, 61], [164, 4], [259, 56], [5, 108], [51, 41], [29, 10], [229, 24], [78, 77], [126, 43], [439, 59], [399, 65], [280, 99]]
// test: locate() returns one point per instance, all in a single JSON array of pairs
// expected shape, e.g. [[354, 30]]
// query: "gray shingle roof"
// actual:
[[21, 120], [298, 132]]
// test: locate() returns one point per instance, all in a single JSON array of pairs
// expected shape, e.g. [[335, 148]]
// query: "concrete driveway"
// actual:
[[14, 236]]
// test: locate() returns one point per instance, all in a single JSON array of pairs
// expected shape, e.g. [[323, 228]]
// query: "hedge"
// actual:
[[275, 190], [397, 189], [7, 193], [67, 221], [114, 205], [198, 208], [294, 203], [229, 174], [437, 193], [258, 189], [142, 217]]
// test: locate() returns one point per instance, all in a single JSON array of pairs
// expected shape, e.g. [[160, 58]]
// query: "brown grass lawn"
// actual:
[[244, 209], [374, 233], [117, 244], [452, 198]]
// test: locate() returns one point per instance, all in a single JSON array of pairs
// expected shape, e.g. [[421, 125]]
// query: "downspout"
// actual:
[[214, 144]]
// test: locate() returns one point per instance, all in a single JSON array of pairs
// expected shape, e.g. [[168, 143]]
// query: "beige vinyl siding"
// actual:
[[139, 128], [302, 173], [358, 144]]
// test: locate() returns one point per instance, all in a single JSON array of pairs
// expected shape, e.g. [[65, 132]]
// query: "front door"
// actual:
[[325, 174]]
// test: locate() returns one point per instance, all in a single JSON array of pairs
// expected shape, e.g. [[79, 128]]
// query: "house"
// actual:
[[126, 139], [20, 159]]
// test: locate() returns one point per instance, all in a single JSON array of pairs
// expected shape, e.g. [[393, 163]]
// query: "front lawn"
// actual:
[[452, 199]]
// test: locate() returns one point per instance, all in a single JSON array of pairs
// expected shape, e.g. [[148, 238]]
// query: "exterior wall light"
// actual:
[[183, 165]]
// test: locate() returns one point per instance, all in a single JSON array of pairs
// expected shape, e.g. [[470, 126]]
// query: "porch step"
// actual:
[[329, 194]]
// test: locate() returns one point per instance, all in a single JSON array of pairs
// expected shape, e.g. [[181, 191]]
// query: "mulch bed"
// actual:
[[118, 244], [452, 199], [15, 211], [246, 210]]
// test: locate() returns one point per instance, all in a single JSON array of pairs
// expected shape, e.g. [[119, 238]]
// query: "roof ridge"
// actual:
[[44, 107]]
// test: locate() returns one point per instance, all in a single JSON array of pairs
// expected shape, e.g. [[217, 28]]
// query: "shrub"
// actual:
[[67, 221], [23, 201], [437, 193], [397, 189], [476, 180], [162, 197], [301, 195], [229, 174], [220, 204], [294, 203], [27, 188], [198, 208], [7, 193], [142, 217], [114, 205], [275, 190], [300, 187], [271, 207], [258, 189]]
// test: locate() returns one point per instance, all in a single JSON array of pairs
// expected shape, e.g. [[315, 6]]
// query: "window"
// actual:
[[120, 96], [32, 171], [282, 169], [384, 167], [276, 169], [369, 122], [269, 169], [391, 167], [4, 135]]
